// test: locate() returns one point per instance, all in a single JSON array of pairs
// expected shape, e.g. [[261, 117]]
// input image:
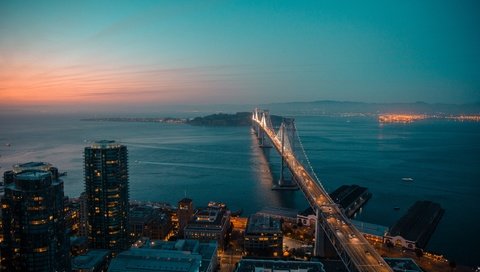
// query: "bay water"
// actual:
[[170, 161]]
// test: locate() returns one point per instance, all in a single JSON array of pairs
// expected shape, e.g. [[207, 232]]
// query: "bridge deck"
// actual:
[[351, 246]]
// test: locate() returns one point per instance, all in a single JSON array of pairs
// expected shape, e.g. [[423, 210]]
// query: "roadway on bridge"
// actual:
[[346, 237]]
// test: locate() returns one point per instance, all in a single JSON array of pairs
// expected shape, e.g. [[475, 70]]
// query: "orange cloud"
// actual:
[[32, 84]]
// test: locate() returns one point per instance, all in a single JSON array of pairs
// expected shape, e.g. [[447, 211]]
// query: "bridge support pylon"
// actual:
[[286, 181], [323, 247], [262, 141]]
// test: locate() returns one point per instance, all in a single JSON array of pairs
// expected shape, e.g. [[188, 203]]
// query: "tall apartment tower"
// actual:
[[106, 188], [83, 216], [184, 214], [33, 220]]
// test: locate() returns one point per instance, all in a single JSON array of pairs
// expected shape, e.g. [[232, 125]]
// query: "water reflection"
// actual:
[[264, 160]]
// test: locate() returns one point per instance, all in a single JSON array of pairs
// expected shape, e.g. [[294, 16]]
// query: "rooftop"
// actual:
[[217, 205], [345, 195], [180, 245], [181, 256], [185, 200], [105, 144], [207, 218], [147, 259], [90, 259], [206, 250], [279, 212], [418, 223], [141, 212], [33, 175], [32, 166], [253, 265], [260, 223]]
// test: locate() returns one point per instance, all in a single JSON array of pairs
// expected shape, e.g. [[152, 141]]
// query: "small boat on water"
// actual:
[[62, 174], [396, 208], [408, 179]]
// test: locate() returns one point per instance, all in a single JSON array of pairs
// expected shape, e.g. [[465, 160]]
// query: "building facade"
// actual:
[[106, 188], [184, 214], [35, 235], [83, 215], [209, 224], [150, 222], [263, 236]]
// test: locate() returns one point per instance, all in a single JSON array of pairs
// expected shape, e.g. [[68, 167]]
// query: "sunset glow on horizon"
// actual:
[[32, 85], [189, 52]]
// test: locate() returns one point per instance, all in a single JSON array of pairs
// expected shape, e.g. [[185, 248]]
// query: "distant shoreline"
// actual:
[[213, 120], [244, 119], [168, 120]]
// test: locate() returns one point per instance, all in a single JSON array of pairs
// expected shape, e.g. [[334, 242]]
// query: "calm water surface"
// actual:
[[169, 161]]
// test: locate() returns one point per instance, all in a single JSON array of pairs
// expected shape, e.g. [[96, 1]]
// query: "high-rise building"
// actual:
[[33, 220], [8, 176], [184, 214], [83, 215], [106, 188]]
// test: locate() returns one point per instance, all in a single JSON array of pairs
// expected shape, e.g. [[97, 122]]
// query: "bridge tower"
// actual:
[[264, 117], [286, 134]]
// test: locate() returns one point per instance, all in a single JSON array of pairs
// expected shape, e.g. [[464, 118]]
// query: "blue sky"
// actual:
[[234, 52]]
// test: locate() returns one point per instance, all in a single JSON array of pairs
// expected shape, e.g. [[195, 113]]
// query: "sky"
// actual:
[[112, 54]]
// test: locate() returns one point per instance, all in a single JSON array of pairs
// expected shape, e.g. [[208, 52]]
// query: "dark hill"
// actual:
[[224, 119]]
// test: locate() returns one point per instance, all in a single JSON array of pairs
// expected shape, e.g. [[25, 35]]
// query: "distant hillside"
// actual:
[[223, 119], [336, 107]]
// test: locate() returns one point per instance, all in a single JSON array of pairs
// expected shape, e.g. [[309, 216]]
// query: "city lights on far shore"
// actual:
[[409, 118], [400, 118]]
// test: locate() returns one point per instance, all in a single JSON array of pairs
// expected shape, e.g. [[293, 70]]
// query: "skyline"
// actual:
[[132, 54]]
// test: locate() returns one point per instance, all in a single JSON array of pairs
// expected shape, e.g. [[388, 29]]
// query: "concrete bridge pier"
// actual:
[[323, 247]]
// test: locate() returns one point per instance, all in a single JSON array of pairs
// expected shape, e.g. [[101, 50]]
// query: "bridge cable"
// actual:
[[308, 160]]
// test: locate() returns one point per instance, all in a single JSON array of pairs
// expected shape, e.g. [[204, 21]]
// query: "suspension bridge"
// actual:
[[332, 226]]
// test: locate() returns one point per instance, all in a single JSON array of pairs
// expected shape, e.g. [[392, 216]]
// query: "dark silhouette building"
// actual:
[[33, 220], [106, 188], [184, 214]]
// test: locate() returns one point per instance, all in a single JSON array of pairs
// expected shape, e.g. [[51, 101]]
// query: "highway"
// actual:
[[347, 240]]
